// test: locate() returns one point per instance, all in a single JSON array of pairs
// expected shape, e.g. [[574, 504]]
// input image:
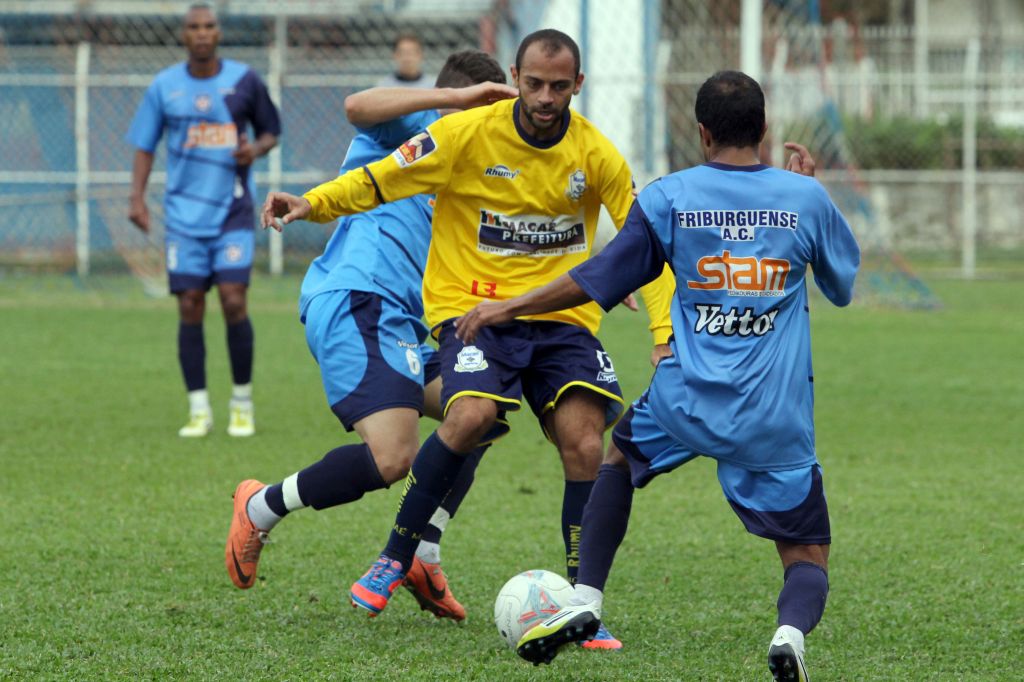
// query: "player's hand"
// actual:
[[139, 213], [660, 352], [630, 302], [485, 313], [482, 94], [245, 153], [800, 161], [281, 208]]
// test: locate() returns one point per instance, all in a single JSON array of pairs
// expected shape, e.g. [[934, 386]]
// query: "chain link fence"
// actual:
[[915, 117]]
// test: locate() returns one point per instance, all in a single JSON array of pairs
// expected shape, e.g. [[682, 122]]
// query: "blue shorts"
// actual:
[[201, 262], [778, 505], [371, 353], [541, 360]]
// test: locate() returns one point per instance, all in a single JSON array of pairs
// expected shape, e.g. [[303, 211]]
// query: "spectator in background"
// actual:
[[407, 54]]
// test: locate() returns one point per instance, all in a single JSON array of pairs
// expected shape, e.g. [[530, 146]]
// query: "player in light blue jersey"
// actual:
[[740, 237], [205, 106], [361, 304]]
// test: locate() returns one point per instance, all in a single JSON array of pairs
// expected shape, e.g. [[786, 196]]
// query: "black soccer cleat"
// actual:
[[542, 642]]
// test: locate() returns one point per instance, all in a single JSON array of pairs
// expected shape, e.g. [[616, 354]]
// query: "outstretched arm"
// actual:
[[378, 105]]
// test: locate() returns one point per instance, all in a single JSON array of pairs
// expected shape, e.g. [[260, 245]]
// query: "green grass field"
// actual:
[[113, 528]]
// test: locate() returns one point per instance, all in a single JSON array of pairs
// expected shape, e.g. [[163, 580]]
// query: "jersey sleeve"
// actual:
[[836, 258], [148, 124], [632, 259], [354, 192], [265, 117], [420, 165]]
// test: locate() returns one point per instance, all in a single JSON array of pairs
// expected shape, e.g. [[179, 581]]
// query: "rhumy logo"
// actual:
[[742, 275], [711, 320]]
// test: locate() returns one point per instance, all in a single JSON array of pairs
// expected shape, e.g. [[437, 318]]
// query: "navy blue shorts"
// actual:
[[539, 359], [371, 353], [778, 505], [200, 262]]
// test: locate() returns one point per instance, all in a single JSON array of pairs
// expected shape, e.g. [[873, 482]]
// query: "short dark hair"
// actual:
[[552, 41], [403, 36], [730, 105], [469, 67]]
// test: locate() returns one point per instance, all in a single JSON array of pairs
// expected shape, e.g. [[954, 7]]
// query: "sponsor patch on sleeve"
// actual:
[[414, 149]]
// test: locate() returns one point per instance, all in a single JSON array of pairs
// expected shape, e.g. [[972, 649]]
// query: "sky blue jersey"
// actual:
[[740, 240], [207, 192], [383, 251]]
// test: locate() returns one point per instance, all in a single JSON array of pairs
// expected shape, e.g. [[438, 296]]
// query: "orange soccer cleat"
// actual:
[[429, 584], [245, 541]]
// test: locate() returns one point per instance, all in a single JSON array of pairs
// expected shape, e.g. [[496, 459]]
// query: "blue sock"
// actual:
[[344, 475], [453, 500], [433, 472], [605, 519], [192, 355], [574, 499], [240, 344], [802, 599]]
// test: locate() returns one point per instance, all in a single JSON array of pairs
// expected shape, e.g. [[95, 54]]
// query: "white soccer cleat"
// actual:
[[786, 655], [199, 424], [573, 623], [242, 422]]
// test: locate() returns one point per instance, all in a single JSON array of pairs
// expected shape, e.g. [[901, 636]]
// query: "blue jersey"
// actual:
[[739, 239], [207, 192], [383, 251]]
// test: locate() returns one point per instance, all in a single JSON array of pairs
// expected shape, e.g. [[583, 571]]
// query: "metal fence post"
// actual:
[[970, 160], [275, 78], [82, 158]]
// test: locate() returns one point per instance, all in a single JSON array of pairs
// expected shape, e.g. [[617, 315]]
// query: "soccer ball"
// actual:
[[527, 599]]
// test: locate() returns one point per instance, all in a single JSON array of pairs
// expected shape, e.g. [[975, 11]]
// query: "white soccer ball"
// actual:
[[527, 599]]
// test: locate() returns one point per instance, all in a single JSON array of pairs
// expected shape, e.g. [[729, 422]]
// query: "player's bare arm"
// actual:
[[377, 105], [558, 294], [800, 161], [138, 212], [281, 208], [247, 152]]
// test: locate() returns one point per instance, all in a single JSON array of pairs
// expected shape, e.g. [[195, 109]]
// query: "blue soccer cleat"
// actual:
[[602, 640], [375, 588]]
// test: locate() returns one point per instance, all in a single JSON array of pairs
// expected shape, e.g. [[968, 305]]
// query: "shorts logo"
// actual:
[[742, 275], [414, 149], [470, 359], [203, 102], [606, 371], [233, 253], [413, 358], [501, 171], [711, 320], [172, 256], [577, 185], [738, 226]]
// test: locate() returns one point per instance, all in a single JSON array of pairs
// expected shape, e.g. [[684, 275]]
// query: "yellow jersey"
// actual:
[[512, 212]]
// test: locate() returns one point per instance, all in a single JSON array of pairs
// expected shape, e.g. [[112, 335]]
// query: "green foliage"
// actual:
[[114, 527]]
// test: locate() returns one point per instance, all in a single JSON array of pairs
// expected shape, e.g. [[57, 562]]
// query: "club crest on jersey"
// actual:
[[501, 171], [414, 149], [606, 371], [711, 320], [233, 253], [203, 102], [577, 185], [742, 275], [470, 359]]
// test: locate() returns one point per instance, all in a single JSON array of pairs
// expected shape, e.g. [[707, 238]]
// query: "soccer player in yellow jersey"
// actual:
[[519, 187]]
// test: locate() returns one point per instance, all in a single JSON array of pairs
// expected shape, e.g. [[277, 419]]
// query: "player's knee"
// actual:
[[191, 306], [392, 456], [466, 422], [234, 308]]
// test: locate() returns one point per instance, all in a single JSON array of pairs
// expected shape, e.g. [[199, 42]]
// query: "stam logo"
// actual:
[[212, 136], [742, 275]]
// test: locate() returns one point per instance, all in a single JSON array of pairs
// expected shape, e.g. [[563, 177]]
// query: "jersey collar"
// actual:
[[533, 141], [743, 169]]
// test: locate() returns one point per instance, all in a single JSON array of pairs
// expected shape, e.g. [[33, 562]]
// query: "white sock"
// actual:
[[260, 513], [242, 393], [198, 401], [587, 595], [429, 552], [290, 493]]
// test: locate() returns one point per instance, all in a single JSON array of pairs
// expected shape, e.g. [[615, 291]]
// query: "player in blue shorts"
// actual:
[[740, 237], [361, 304], [206, 105]]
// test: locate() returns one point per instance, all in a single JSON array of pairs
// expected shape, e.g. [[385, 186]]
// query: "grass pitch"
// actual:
[[113, 528]]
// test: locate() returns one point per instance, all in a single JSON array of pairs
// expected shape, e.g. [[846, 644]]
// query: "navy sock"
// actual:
[[343, 475], [605, 519], [454, 498], [802, 599], [574, 499], [192, 355], [240, 344], [433, 472]]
